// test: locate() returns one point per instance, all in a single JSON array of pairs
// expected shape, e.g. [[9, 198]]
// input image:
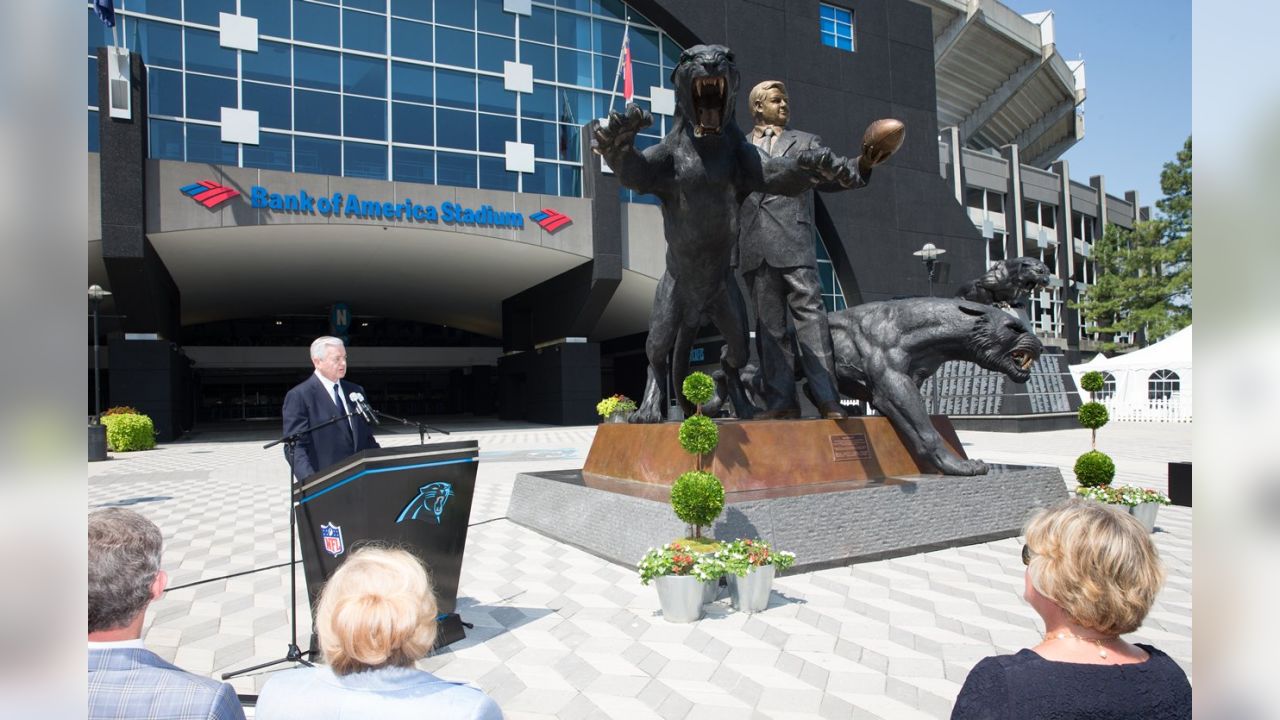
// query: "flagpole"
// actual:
[[626, 37]]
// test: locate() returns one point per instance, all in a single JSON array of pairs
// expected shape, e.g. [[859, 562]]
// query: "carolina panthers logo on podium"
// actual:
[[332, 535], [431, 498]]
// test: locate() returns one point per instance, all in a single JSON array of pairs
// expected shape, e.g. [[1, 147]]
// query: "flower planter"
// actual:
[[618, 417], [681, 597], [711, 591], [1146, 514], [751, 593]]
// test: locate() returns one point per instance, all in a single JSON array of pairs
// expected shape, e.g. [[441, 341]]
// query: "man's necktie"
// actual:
[[337, 399], [769, 137]]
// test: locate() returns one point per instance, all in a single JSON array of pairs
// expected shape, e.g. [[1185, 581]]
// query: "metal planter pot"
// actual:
[[711, 591], [1146, 514], [751, 593], [680, 597]]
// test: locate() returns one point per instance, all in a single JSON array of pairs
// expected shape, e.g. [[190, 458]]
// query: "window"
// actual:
[[1163, 386], [273, 152], [1108, 390], [832, 294], [837, 27]]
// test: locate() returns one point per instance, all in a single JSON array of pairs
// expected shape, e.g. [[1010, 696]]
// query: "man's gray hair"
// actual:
[[320, 343], [124, 557]]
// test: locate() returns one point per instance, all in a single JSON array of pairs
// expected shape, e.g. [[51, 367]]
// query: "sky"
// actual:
[[1137, 111]]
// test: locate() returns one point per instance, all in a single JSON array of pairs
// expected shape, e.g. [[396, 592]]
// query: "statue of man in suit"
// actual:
[[777, 260]]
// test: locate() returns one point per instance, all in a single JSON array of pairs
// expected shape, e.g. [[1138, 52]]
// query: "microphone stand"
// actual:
[[293, 653], [424, 429]]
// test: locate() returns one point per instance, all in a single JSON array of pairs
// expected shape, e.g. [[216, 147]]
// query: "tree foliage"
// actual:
[[1143, 278]]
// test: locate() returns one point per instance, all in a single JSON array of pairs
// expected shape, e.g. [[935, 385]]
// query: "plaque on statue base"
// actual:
[[832, 491]]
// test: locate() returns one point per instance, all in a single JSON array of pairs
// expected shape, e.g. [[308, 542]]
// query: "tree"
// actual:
[[1143, 278]]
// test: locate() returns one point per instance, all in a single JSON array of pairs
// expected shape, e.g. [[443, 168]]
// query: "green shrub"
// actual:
[[697, 497], [699, 435], [1091, 381], [698, 388], [121, 410], [1094, 469], [129, 432], [1093, 415]]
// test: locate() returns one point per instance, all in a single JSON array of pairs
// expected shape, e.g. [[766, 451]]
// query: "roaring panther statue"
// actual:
[[701, 172], [1008, 282], [884, 351]]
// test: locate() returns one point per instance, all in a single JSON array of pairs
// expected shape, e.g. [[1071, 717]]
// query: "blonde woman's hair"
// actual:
[[377, 610], [1096, 562]]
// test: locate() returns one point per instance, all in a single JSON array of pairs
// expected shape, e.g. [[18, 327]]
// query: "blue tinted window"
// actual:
[[315, 68], [644, 76], [461, 13], [378, 6], [494, 97], [411, 40], [164, 92], [540, 26], [366, 161], [574, 68], [573, 31], [495, 176], [490, 17], [271, 102], [412, 82], [575, 106], [364, 76], [413, 124], [541, 103], [492, 52], [158, 43], [91, 83], [204, 144], [455, 169], [542, 180], [836, 27], [95, 142], [541, 57], [413, 165], [606, 37], [543, 136], [583, 5], [163, 8], [570, 139], [166, 139], [316, 112], [420, 9], [204, 54], [99, 34], [270, 63], [206, 12], [206, 96], [313, 155], [495, 131], [570, 181], [273, 16], [273, 152], [315, 23], [364, 118], [456, 47], [362, 31], [456, 129], [456, 89], [670, 56], [644, 46], [613, 8]]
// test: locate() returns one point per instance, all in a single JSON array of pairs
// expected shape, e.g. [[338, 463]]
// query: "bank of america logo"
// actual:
[[550, 220], [208, 193]]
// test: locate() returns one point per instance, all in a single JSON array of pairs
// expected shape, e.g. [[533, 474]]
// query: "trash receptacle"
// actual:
[[97, 442]]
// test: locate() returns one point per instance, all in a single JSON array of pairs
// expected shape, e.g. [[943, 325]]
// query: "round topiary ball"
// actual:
[[697, 497], [1091, 381], [1094, 469], [699, 435], [1093, 415], [698, 388]]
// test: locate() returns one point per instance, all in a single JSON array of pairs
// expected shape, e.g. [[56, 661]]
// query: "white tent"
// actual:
[[1151, 384]]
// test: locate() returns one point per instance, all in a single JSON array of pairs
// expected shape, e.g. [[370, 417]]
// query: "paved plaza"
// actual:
[[561, 633]]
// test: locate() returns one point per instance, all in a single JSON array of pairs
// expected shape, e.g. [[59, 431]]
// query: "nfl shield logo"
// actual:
[[332, 535]]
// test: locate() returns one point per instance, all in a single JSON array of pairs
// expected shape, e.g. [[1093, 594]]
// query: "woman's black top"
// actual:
[[1025, 685]]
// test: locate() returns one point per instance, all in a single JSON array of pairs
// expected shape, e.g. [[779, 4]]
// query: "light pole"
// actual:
[[96, 294], [929, 254]]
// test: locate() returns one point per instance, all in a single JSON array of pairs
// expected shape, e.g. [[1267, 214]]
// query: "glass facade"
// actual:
[[832, 293], [409, 90]]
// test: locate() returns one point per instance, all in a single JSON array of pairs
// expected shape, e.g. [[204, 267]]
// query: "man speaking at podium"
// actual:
[[324, 396]]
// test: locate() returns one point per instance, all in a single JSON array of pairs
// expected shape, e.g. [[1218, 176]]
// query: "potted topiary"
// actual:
[[616, 408], [1095, 470], [681, 575], [751, 566], [128, 430]]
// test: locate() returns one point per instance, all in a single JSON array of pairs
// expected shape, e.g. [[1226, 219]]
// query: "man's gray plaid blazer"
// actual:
[[134, 683]]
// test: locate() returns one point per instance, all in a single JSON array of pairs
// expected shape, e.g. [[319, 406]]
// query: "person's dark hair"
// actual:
[[124, 557]]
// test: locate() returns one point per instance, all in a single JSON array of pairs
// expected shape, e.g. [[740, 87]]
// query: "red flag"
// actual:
[[628, 84]]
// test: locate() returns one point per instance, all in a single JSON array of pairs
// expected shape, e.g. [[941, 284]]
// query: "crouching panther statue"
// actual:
[[1008, 282]]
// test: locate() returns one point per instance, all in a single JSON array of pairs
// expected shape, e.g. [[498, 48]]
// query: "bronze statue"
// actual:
[[776, 257], [1008, 283]]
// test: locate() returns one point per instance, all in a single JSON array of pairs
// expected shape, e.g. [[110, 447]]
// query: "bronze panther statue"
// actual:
[[701, 171], [1008, 282]]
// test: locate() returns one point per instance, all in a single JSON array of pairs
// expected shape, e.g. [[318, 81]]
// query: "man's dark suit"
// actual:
[[777, 259], [311, 402]]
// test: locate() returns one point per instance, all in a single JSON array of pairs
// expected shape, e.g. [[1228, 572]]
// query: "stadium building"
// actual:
[[412, 175]]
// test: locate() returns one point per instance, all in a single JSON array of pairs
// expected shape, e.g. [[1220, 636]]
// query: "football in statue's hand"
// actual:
[[882, 139]]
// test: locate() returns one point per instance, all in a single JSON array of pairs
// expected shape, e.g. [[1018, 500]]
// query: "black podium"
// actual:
[[417, 497]]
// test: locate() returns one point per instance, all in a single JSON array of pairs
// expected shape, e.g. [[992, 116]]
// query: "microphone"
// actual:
[[363, 408]]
